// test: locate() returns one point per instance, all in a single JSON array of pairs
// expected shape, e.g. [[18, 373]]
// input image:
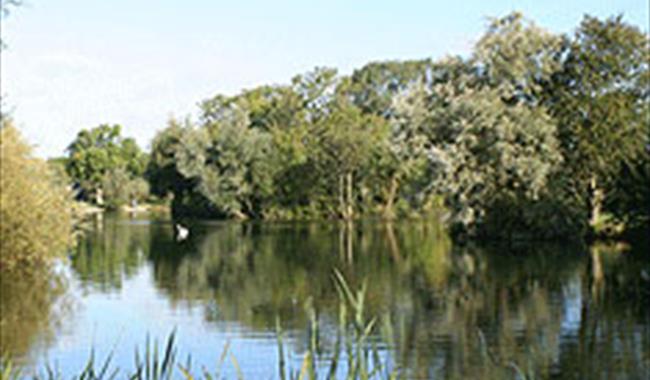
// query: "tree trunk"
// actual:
[[597, 198], [349, 250], [392, 243], [349, 209], [390, 201], [341, 240], [239, 215], [342, 195], [597, 276], [99, 196]]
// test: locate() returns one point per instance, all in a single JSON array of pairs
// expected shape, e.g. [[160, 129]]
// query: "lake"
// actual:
[[444, 310]]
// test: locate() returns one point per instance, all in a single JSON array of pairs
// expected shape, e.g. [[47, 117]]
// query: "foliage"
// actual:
[[600, 100], [489, 152], [530, 135], [517, 57], [121, 189], [374, 86], [35, 208], [99, 151]]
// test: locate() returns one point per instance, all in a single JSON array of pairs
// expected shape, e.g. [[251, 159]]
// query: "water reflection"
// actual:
[[33, 305], [111, 252], [455, 311]]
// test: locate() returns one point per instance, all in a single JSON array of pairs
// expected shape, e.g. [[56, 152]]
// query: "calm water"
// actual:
[[455, 311]]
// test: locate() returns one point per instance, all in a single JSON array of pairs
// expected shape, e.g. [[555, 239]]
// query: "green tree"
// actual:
[[517, 58], [486, 151], [600, 100], [238, 173], [491, 143], [374, 85], [404, 157], [485, 136], [374, 89], [347, 140], [98, 151], [162, 172]]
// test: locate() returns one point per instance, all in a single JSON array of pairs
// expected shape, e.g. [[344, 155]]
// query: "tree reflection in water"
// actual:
[[455, 310], [463, 311], [33, 305]]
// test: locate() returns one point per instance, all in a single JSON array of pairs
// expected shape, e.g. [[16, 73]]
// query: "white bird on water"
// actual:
[[181, 232]]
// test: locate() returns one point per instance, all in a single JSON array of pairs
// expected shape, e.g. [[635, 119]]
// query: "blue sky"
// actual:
[[74, 64]]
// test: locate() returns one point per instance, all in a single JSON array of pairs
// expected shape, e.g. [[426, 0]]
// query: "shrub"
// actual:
[[35, 212]]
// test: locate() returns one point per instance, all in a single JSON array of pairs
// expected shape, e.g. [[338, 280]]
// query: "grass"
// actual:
[[156, 362]]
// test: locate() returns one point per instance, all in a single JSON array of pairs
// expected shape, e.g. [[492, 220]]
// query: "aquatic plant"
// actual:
[[354, 356]]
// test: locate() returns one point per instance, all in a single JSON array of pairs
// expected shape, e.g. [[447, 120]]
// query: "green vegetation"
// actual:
[[106, 168], [600, 99], [534, 134], [35, 208], [437, 295], [358, 357]]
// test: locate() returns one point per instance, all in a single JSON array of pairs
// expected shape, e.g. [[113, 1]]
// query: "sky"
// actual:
[[74, 64]]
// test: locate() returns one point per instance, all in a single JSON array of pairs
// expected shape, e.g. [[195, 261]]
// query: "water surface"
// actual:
[[451, 311]]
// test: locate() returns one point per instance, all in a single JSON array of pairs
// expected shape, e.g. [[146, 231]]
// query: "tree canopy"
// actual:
[[95, 157], [511, 139]]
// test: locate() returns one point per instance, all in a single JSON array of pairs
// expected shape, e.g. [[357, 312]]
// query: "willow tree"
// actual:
[[239, 167], [491, 142], [600, 100], [407, 170], [405, 158], [374, 86]]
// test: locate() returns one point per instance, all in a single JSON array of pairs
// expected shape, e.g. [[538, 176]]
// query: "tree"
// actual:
[[224, 167], [405, 158], [98, 151], [517, 57], [484, 136], [600, 101], [487, 152], [238, 173], [346, 142], [490, 141], [373, 89], [162, 173], [374, 85]]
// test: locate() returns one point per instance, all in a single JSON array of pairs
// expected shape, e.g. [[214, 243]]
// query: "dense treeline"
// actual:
[[532, 132]]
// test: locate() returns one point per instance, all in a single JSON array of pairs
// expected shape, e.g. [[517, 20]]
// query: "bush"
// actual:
[[35, 208]]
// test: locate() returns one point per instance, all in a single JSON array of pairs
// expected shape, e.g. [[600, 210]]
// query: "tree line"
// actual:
[[533, 132]]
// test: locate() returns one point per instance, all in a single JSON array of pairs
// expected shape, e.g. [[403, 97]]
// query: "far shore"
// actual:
[[86, 209]]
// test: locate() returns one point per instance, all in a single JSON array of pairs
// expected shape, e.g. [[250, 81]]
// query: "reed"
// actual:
[[156, 362]]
